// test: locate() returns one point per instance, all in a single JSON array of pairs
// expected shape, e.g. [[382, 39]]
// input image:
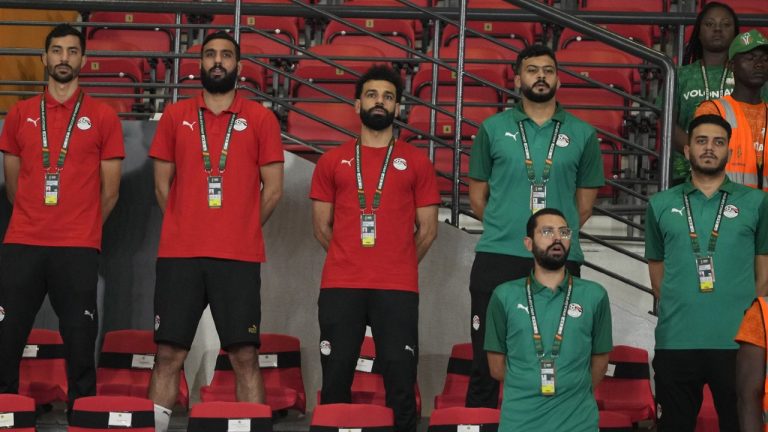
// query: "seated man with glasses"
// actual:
[[548, 336]]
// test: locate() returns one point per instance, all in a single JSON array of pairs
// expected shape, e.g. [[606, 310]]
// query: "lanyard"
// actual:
[[535, 323], [706, 81], [715, 229], [359, 175], [550, 153], [67, 135], [204, 143]]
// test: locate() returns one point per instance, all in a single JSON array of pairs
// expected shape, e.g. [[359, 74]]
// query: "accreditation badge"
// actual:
[[214, 191], [51, 196], [706, 268], [538, 197], [368, 229], [547, 367]]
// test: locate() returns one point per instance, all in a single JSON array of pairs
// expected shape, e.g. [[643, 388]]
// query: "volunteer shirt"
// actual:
[[688, 318], [96, 135], [190, 228], [410, 183], [498, 158], [587, 332]]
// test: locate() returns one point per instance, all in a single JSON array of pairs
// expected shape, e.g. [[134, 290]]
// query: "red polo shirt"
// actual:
[[190, 227], [97, 135]]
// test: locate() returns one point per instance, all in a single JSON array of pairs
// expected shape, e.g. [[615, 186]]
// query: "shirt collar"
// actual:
[[726, 186], [68, 104], [519, 112], [234, 108], [536, 287]]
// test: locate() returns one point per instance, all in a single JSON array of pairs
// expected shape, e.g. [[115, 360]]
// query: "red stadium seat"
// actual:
[[614, 422], [417, 25], [526, 32], [338, 114], [17, 413], [623, 5], [457, 378], [42, 372], [626, 388], [610, 120], [399, 31], [626, 78], [351, 416], [444, 124], [280, 363], [742, 6], [642, 34], [125, 365], [707, 421], [113, 70], [481, 418], [229, 416], [329, 77], [107, 413], [284, 28]]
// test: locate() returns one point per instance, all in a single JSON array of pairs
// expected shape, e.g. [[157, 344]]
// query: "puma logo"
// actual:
[[191, 125], [34, 122], [88, 313], [347, 162], [680, 210], [409, 348], [513, 135], [525, 308]]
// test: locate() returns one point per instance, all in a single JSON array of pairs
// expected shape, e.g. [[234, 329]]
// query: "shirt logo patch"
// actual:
[[476, 323], [575, 310], [188, 124], [33, 121], [513, 135], [400, 164], [2, 314], [525, 308], [325, 348], [678, 211], [347, 162], [562, 140], [84, 123], [730, 211], [157, 322], [240, 125]]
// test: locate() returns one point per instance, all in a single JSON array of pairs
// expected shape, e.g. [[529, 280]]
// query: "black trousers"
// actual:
[[489, 271], [69, 276], [680, 376], [393, 317]]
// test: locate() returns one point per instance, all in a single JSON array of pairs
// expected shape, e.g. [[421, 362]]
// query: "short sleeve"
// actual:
[[480, 163], [654, 242], [323, 186], [112, 146], [164, 143], [270, 143], [426, 193], [761, 237], [602, 331], [706, 107], [496, 326], [752, 329], [591, 173], [8, 142]]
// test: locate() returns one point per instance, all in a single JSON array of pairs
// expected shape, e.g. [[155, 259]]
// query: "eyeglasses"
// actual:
[[549, 232]]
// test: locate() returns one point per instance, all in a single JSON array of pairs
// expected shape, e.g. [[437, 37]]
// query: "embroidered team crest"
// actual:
[[325, 348], [2, 314], [84, 123], [240, 125], [157, 322], [730, 211], [476, 323], [575, 310], [746, 38], [400, 164], [563, 140]]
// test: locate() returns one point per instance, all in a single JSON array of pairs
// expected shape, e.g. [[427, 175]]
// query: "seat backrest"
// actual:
[[459, 367], [351, 416], [42, 371], [339, 114], [227, 416], [17, 413], [106, 413], [464, 416]]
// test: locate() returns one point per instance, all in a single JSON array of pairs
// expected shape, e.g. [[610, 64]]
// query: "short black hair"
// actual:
[[380, 72], [221, 35], [533, 220], [708, 119], [536, 50], [63, 30]]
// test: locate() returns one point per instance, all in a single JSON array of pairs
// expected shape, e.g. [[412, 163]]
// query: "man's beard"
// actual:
[[547, 261], [708, 170], [538, 97], [225, 84], [63, 79], [377, 122]]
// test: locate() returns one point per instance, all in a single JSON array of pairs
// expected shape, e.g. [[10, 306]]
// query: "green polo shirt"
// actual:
[[587, 332], [499, 159], [688, 318]]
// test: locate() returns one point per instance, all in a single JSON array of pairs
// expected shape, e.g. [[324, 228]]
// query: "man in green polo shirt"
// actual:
[[548, 337], [706, 241], [509, 179]]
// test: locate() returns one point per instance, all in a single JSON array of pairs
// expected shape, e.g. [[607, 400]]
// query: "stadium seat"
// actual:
[[419, 119], [125, 365], [113, 70], [418, 26], [457, 378], [351, 416], [449, 419], [626, 388], [230, 416], [601, 116], [107, 413], [525, 32], [626, 78], [399, 31], [707, 420], [741, 6], [642, 34], [17, 413], [42, 372], [329, 77], [614, 422], [623, 5], [284, 28], [444, 166], [308, 129], [280, 363]]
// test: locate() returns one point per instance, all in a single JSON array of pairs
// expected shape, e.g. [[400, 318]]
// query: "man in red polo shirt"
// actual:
[[62, 153], [218, 177], [375, 211]]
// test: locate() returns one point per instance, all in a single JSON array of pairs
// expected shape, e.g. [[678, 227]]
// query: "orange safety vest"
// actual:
[[742, 165], [763, 302]]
